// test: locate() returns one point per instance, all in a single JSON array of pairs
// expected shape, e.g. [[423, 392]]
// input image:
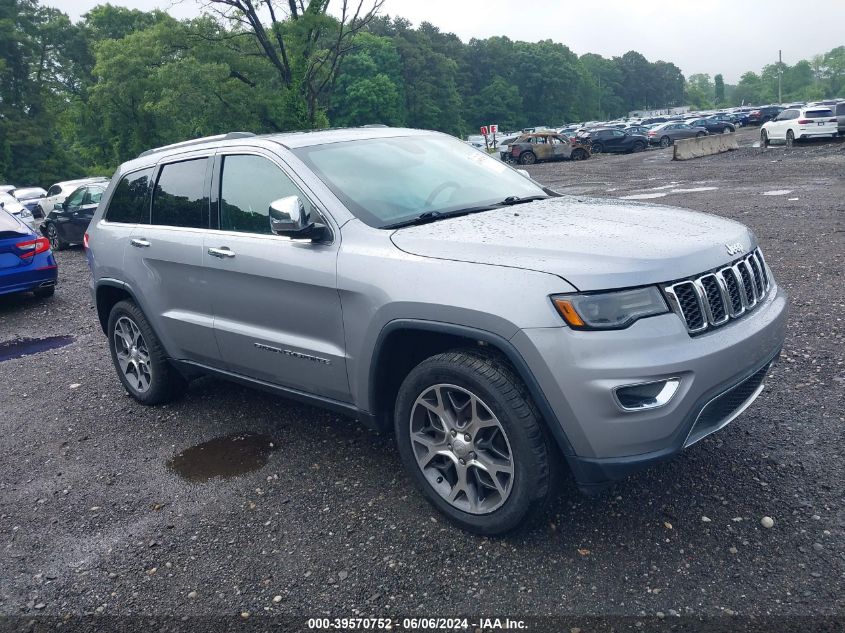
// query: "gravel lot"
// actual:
[[94, 520]]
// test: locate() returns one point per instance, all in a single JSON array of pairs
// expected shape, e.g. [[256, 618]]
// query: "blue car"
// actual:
[[26, 261]]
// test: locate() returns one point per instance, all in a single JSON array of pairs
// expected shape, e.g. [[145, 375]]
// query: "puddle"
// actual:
[[643, 196], [694, 190], [225, 457], [777, 192], [18, 348]]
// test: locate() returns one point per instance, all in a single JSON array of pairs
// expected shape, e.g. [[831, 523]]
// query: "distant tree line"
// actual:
[[79, 98]]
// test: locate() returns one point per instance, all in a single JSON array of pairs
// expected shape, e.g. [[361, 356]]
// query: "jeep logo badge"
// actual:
[[735, 249]]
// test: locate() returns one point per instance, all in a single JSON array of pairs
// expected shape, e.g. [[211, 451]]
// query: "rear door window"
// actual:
[[180, 196], [130, 202]]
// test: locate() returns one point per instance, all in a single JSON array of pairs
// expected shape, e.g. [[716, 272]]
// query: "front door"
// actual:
[[65, 216], [277, 312], [81, 217]]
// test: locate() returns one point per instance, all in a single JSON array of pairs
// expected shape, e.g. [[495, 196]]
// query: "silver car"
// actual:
[[503, 331], [665, 134]]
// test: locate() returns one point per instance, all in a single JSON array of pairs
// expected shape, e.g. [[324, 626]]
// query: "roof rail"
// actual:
[[198, 141]]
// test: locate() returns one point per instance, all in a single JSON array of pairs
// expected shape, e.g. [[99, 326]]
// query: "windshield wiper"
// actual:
[[433, 216]]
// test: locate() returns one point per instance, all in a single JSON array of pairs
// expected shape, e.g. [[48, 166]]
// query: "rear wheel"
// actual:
[[56, 242], [597, 148], [528, 158], [579, 154], [139, 358], [727, 130], [665, 141], [471, 440], [790, 138], [638, 147], [700, 134]]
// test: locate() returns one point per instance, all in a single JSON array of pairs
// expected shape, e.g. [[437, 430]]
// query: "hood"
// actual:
[[593, 244]]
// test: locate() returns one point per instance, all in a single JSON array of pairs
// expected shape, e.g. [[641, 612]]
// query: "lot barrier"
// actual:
[[704, 146]]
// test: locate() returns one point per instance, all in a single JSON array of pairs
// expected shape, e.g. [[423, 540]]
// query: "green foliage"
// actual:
[[78, 99]]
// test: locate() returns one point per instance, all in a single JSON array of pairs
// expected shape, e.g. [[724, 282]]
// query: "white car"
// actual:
[[61, 190], [9, 203], [800, 123]]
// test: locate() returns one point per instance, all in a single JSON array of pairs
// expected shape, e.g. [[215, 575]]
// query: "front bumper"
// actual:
[[577, 372]]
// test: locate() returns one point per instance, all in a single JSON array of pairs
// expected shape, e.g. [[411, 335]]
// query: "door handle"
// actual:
[[139, 242], [222, 252]]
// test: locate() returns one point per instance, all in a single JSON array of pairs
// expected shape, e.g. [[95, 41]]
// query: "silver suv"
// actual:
[[502, 330]]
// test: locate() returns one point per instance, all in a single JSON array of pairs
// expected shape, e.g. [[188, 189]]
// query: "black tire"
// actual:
[[638, 147], [504, 394], [764, 138], [56, 242], [580, 154], [527, 158], [790, 138], [165, 383], [44, 293], [700, 134], [597, 148], [665, 141]]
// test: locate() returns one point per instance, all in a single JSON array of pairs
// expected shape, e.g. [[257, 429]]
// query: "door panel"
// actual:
[[65, 216], [164, 262], [277, 313]]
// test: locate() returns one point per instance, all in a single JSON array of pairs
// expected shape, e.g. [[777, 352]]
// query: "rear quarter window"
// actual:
[[130, 202]]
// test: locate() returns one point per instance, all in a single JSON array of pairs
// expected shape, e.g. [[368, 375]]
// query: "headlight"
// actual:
[[609, 310], [25, 213]]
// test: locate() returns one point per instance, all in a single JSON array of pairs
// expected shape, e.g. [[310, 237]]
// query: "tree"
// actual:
[[302, 42], [700, 91], [719, 85]]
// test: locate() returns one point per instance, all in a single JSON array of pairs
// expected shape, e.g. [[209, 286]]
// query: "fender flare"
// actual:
[[494, 340]]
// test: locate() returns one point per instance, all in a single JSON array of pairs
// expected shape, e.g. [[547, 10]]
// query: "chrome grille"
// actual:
[[716, 297]]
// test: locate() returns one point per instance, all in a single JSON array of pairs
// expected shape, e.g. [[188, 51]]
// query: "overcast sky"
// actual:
[[701, 37]]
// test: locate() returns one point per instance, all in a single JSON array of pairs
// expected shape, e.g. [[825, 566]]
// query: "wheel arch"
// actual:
[[107, 294], [404, 343]]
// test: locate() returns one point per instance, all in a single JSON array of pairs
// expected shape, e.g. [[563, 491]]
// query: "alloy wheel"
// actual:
[[461, 448], [53, 236], [132, 354]]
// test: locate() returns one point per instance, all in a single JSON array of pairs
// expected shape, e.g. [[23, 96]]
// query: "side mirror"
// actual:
[[289, 218], [58, 206], [2, 205]]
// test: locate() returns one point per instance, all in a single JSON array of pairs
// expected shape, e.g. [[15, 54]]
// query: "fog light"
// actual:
[[646, 395]]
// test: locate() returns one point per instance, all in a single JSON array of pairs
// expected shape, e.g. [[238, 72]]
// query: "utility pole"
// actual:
[[780, 75]]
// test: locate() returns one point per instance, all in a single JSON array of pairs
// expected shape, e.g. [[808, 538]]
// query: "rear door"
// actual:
[[277, 313], [164, 262]]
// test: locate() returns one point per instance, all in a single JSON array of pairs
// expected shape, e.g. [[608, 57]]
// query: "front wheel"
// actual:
[[727, 130], [139, 358], [56, 242], [597, 148], [527, 158], [471, 440], [665, 141]]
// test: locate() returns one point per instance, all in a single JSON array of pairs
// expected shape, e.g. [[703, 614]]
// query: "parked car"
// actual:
[[11, 205], [503, 331], [7, 188], [714, 125], [800, 123], [30, 198], [654, 119], [642, 130], [612, 140], [540, 146], [760, 116], [57, 193], [26, 261], [666, 134], [504, 147], [67, 222], [838, 107]]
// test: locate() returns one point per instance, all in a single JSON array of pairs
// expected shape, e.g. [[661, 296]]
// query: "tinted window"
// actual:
[[818, 114], [179, 197], [54, 190], [75, 199], [247, 187], [130, 202]]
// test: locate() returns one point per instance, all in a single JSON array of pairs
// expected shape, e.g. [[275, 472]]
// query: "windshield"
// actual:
[[21, 194], [386, 181]]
